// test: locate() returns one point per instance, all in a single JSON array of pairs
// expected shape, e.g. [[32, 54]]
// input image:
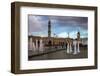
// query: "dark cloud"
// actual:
[[70, 21], [39, 23], [36, 24]]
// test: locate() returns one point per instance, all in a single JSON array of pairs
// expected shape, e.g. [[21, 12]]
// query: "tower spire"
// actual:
[[49, 28]]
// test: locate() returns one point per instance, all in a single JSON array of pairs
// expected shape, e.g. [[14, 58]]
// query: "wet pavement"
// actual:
[[60, 54]]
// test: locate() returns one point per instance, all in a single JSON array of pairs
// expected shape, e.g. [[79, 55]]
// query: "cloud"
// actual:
[[60, 25], [36, 24], [73, 34], [63, 34]]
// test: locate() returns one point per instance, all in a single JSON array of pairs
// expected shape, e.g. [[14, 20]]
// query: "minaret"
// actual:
[[49, 28]]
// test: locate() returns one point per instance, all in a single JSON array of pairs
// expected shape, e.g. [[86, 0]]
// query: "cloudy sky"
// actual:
[[60, 25]]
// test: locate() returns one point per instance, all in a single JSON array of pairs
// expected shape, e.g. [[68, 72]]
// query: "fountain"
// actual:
[[36, 46], [68, 48], [78, 50], [30, 44], [75, 50], [41, 47], [33, 49]]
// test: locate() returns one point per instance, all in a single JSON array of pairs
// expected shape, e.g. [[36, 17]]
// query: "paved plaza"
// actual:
[[60, 54]]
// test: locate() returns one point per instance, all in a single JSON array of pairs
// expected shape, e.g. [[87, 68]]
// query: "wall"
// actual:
[[5, 42]]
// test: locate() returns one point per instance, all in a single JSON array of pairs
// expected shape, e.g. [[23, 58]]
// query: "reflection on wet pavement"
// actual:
[[61, 54]]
